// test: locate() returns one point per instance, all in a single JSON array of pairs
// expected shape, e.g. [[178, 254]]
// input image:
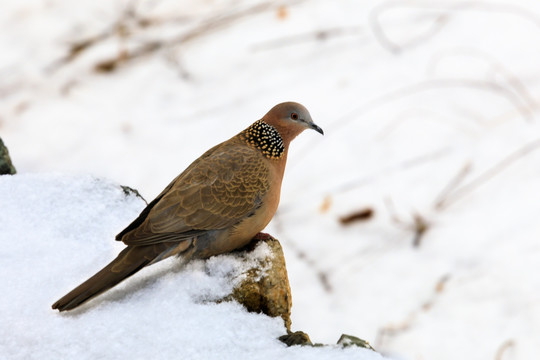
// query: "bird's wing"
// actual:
[[221, 188]]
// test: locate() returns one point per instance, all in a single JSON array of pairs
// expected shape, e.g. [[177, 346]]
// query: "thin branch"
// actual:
[[466, 189], [321, 275], [429, 85], [498, 68], [407, 323], [319, 35], [405, 165], [130, 21], [208, 26], [77, 48], [519, 104], [420, 227], [508, 344], [452, 185], [419, 224], [441, 20], [403, 116], [380, 35]]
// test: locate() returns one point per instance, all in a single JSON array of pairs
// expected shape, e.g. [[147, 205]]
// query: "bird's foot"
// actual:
[[262, 236]]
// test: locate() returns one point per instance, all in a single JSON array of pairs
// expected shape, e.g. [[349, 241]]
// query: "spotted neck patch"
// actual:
[[265, 138]]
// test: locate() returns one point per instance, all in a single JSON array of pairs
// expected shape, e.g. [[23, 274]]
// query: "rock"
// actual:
[[296, 338], [6, 167], [265, 288], [349, 340], [301, 338]]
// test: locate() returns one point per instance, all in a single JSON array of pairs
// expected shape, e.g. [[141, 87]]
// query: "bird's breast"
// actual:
[[239, 235]]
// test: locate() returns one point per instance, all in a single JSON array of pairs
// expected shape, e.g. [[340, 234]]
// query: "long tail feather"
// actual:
[[127, 263]]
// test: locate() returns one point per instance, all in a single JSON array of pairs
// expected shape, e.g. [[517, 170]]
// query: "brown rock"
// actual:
[[296, 338], [265, 288], [349, 340]]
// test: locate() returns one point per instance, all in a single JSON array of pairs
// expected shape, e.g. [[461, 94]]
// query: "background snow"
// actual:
[[408, 93]]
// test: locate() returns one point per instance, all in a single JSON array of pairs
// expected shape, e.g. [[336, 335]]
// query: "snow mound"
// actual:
[[57, 230]]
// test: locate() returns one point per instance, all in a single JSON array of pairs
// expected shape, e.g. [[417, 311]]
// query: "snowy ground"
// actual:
[[165, 312], [429, 109]]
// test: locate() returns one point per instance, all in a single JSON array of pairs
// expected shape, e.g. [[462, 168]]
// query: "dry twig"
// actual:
[[404, 165], [507, 345], [394, 330], [419, 224], [319, 35], [452, 185], [449, 8], [496, 67], [322, 275], [206, 27], [481, 179], [429, 85], [130, 21], [360, 215]]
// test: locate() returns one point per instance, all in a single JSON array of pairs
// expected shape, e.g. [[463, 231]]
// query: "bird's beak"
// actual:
[[316, 128]]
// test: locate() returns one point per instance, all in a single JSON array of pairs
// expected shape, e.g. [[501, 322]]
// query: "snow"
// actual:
[[56, 232], [409, 94]]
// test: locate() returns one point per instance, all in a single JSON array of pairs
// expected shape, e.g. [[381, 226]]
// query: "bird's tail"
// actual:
[[127, 263]]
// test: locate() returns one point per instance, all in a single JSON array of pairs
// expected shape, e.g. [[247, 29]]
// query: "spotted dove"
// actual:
[[218, 204]]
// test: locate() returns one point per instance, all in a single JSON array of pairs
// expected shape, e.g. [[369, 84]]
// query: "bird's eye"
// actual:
[[294, 116]]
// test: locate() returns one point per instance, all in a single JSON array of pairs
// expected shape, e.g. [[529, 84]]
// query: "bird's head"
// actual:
[[290, 119], [273, 133]]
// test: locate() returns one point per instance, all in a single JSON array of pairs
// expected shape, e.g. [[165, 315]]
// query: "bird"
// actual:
[[218, 204]]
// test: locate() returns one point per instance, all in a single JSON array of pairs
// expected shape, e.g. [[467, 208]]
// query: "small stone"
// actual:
[[6, 166], [349, 340], [296, 338]]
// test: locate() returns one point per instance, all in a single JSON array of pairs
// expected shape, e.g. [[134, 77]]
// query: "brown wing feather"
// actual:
[[144, 214], [217, 191]]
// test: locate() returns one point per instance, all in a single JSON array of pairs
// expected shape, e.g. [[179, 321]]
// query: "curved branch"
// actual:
[[428, 85], [441, 20]]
